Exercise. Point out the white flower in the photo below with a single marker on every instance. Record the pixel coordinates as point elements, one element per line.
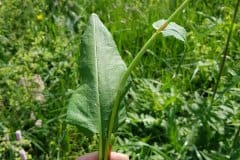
<point>36,85</point>
<point>38,123</point>
<point>24,82</point>
<point>32,116</point>
<point>23,154</point>
<point>39,97</point>
<point>18,135</point>
<point>37,92</point>
<point>38,80</point>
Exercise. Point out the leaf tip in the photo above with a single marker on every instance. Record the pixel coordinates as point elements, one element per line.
<point>94,15</point>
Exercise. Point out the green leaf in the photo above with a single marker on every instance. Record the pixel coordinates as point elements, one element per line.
<point>101,69</point>
<point>172,29</point>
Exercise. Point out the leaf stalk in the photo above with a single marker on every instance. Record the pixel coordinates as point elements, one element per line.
<point>125,77</point>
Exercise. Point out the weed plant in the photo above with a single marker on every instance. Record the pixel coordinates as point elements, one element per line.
<point>170,110</point>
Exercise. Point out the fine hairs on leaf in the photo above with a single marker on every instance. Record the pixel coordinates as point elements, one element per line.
<point>95,107</point>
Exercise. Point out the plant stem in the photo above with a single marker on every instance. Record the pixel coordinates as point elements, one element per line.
<point>237,135</point>
<point>235,140</point>
<point>125,77</point>
<point>225,51</point>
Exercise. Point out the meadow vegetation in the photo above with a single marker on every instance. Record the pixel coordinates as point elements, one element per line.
<point>171,111</point>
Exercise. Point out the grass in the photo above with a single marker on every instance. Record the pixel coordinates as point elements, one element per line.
<point>170,114</point>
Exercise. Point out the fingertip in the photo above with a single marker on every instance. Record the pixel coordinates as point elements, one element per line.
<point>118,156</point>
<point>94,156</point>
<point>90,156</point>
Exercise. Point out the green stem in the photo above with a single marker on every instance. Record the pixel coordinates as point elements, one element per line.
<point>125,77</point>
<point>225,51</point>
<point>237,135</point>
<point>235,140</point>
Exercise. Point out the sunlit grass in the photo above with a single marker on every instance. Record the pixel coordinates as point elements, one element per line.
<point>170,114</point>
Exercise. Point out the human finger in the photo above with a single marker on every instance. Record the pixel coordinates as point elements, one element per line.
<point>89,156</point>
<point>118,156</point>
<point>113,156</point>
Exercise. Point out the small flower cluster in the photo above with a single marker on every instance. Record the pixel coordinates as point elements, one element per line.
<point>36,85</point>
<point>38,123</point>
<point>15,147</point>
<point>22,152</point>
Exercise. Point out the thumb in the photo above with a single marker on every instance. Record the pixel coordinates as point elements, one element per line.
<point>118,156</point>
<point>113,156</point>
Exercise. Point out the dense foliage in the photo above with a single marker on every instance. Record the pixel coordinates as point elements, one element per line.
<point>171,114</point>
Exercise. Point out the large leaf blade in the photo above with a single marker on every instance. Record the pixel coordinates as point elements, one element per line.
<point>79,112</point>
<point>101,69</point>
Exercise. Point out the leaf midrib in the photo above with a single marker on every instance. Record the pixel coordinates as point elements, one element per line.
<point>98,105</point>
<point>96,65</point>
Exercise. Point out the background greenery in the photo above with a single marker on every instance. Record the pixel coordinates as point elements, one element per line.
<point>170,110</point>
